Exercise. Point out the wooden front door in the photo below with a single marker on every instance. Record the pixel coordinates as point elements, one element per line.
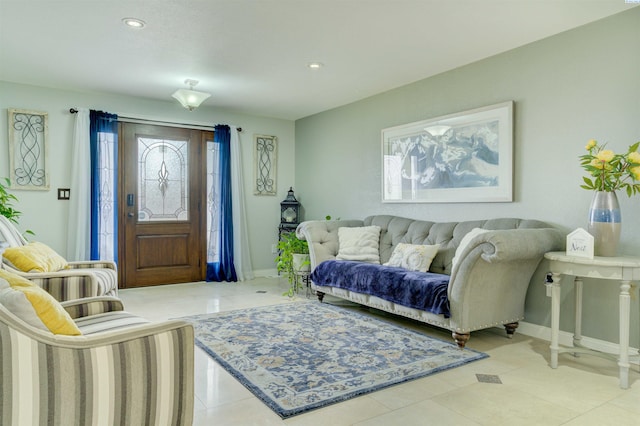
<point>161,211</point>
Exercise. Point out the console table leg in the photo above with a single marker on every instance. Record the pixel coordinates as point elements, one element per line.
<point>577,334</point>
<point>555,319</point>
<point>623,362</point>
<point>320,295</point>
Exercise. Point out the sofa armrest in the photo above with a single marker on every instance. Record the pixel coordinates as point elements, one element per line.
<point>70,284</point>
<point>79,308</point>
<point>496,269</point>
<point>67,284</point>
<point>90,264</point>
<point>514,244</point>
<point>322,236</point>
<point>141,375</point>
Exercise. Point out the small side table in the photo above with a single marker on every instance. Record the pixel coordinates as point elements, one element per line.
<point>623,269</point>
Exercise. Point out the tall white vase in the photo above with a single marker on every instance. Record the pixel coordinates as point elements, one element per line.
<point>605,222</point>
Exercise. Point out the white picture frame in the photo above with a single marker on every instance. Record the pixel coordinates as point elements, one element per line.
<point>28,149</point>
<point>457,158</point>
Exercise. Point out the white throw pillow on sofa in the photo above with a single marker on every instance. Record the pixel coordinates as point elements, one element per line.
<point>465,242</point>
<point>360,243</point>
<point>413,257</point>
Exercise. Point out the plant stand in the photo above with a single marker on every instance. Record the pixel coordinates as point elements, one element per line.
<point>302,279</point>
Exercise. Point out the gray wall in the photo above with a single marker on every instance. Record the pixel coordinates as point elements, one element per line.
<point>47,216</point>
<point>567,89</point>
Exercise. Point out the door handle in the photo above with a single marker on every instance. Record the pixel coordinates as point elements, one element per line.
<point>130,214</point>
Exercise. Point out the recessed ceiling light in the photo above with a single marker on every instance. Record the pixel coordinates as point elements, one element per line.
<point>133,22</point>
<point>315,65</point>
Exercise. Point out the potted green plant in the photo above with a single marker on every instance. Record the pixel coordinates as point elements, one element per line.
<point>6,204</point>
<point>292,259</point>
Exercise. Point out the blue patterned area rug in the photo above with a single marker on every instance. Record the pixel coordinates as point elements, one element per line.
<point>302,356</point>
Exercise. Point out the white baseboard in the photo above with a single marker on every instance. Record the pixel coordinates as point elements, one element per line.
<point>566,338</point>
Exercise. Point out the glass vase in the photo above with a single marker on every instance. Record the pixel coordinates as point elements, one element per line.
<point>605,222</point>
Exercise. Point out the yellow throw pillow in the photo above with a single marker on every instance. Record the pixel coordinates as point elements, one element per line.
<point>35,257</point>
<point>34,305</point>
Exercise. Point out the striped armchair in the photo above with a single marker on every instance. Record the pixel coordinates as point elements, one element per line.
<point>82,279</point>
<point>123,370</point>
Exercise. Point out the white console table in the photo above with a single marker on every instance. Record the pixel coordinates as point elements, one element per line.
<point>623,269</point>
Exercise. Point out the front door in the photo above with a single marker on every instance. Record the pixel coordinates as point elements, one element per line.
<point>161,226</point>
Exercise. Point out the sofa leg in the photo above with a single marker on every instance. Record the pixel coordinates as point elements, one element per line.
<point>511,328</point>
<point>320,295</point>
<point>461,339</point>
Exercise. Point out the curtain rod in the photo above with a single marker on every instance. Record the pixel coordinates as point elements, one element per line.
<point>147,121</point>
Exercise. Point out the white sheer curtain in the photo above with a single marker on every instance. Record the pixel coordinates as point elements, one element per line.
<point>213,207</point>
<point>241,254</point>
<point>79,217</point>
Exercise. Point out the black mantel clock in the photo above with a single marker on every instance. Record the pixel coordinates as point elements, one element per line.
<point>289,213</point>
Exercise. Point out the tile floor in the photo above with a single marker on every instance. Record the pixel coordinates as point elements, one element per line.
<point>582,391</point>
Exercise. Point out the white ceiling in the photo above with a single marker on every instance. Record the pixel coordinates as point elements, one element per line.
<point>252,55</point>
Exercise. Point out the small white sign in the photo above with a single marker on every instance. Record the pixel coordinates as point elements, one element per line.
<point>580,244</point>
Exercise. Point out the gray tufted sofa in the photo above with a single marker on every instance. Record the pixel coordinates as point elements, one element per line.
<point>489,283</point>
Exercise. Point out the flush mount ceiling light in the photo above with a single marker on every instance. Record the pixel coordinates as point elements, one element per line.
<point>315,65</point>
<point>134,22</point>
<point>189,98</point>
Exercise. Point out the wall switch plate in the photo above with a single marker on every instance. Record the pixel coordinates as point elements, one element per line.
<point>274,249</point>
<point>64,193</point>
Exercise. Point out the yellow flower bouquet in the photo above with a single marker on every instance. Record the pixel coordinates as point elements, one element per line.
<point>609,171</point>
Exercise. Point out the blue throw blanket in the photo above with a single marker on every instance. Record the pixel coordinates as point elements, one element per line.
<point>420,290</point>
